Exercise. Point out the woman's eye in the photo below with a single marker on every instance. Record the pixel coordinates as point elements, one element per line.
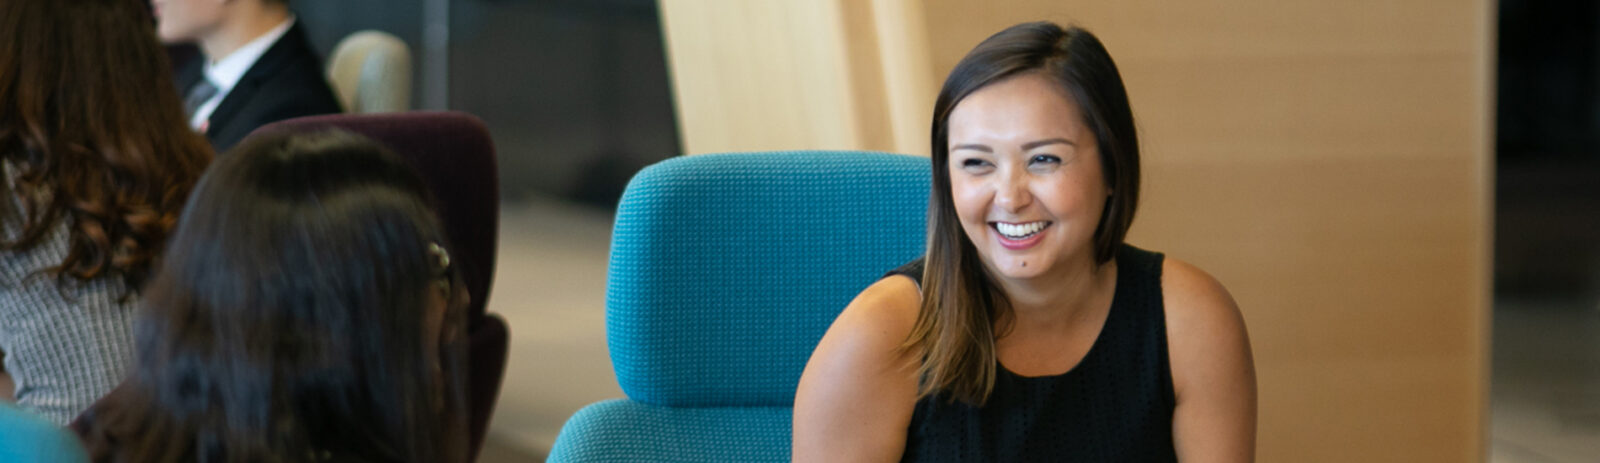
<point>974,163</point>
<point>1044,159</point>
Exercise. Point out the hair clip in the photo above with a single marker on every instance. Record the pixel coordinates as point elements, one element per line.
<point>440,256</point>
<point>441,260</point>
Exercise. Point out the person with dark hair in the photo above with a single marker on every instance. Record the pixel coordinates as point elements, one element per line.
<point>306,311</point>
<point>256,66</point>
<point>1030,331</point>
<point>96,162</point>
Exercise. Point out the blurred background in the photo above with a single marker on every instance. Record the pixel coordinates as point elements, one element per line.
<point>1546,377</point>
<point>1404,196</point>
<point>575,92</point>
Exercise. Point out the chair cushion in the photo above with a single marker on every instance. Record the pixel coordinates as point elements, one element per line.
<point>726,269</point>
<point>629,431</point>
<point>26,438</point>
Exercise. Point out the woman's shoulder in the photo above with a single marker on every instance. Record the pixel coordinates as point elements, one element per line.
<point>1198,307</point>
<point>869,332</point>
<point>912,270</point>
<point>887,308</point>
<point>1187,289</point>
<point>856,395</point>
<point>1206,333</point>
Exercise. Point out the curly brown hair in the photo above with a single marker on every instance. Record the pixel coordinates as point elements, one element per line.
<point>93,132</point>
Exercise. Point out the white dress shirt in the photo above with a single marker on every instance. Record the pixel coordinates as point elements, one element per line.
<point>226,72</point>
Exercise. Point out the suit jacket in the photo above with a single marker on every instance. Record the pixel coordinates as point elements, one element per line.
<point>286,82</point>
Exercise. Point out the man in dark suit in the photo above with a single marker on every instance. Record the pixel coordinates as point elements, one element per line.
<point>256,66</point>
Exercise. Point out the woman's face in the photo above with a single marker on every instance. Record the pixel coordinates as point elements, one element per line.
<point>1025,176</point>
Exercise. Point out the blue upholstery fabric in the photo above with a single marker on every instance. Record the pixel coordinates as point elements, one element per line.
<point>725,271</point>
<point>25,438</point>
<point>625,430</point>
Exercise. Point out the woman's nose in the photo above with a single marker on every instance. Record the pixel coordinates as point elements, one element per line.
<point>1011,192</point>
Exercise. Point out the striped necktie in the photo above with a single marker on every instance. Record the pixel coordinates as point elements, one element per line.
<point>202,92</point>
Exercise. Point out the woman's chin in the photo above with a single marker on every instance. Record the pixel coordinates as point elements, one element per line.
<point>1017,267</point>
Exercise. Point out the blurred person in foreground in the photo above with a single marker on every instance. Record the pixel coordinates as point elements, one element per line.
<point>1030,331</point>
<point>96,161</point>
<point>307,310</point>
<point>256,66</point>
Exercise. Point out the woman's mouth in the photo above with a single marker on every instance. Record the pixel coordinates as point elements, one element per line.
<point>1020,235</point>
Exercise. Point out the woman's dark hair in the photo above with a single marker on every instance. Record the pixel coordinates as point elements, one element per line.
<point>287,321</point>
<point>956,330</point>
<point>93,132</point>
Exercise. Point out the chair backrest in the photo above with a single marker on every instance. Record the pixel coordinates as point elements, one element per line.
<point>371,73</point>
<point>726,269</point>
<point>455,156</point>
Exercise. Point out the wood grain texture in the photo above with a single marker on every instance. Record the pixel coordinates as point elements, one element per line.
<point>760,75</point>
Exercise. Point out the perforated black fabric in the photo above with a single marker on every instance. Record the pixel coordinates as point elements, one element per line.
<point>1116,405</point>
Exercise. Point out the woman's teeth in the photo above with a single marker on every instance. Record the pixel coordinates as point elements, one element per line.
<point>1021,230</point>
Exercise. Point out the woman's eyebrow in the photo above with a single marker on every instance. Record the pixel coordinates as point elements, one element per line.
<point>1048,141</point>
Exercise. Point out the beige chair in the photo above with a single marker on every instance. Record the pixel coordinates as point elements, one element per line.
<point>371,73</point>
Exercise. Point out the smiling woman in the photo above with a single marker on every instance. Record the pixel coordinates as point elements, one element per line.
<point>1023,163</point>
<point>1030,330</point>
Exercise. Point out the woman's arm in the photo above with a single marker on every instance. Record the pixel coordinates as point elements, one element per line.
<point>1213,374</point>
<point>855,398</point>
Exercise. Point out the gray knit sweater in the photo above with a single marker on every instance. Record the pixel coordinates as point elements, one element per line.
<point>65,346</point>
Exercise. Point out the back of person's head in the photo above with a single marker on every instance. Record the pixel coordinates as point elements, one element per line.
<point>92,131</point>
<point>301,314</point>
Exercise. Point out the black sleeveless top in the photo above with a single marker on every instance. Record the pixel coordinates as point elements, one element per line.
<point>1115,405</point>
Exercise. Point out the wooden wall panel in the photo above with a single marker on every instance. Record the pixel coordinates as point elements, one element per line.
<point>760,75</point>
<point>910,82</point>
<point>826,74</point>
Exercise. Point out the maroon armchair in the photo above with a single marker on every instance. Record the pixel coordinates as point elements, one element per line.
<point>453,153</point>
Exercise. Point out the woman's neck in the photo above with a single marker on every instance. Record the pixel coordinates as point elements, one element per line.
<point>1065,292</point>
